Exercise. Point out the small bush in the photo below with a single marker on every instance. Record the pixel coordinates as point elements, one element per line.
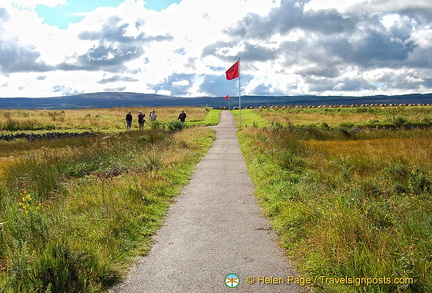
<point>398,175</point>
<point>290,162</point>
<point>157,125</point>
<point>275,126</point>
<point>324,126</point>
<point>62,269</point>
<point>152,136</point>
<point>150,163</point>
<point>418,182</point>
<point>175,125</point>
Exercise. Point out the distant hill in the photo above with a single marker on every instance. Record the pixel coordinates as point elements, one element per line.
<point>120,99</point>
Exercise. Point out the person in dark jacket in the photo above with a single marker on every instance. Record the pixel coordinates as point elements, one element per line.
<point>182,116</point>
<point>129,120</point>
<point>141,120</point>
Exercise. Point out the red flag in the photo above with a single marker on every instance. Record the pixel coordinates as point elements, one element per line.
<point>233,71</point>
<point>227,97</point>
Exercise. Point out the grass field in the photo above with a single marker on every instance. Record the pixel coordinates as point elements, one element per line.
<point>108,120</point>
<point>340,117</point>
<point>73,212</point>
<point>347,205</point>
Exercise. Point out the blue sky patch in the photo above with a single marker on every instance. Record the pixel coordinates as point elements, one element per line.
<point>159,5</point>
<point>73,12</point>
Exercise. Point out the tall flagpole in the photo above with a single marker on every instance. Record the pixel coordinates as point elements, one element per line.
<point>239,88</point>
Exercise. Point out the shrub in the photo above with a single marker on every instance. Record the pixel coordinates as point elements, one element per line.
<point>398,175</point>
<point>157,125</point>
<point>62,269</point>
<point>175,125</point>
<point>418,182</point>
<point>396,120</point>
<point>152,136</point>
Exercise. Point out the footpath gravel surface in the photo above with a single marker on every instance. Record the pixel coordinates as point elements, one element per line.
<point>214,228</point>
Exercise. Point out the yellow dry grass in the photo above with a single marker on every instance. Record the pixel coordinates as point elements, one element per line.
<point>418,151</point>
<point>107,119</point>
<point>185,141</point>
<point>338,116</point>
<point>315,118</point>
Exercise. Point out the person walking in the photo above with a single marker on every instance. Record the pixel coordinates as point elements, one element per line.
<point>182,116</point>
<point>129,120</point>
<point>141,120</point>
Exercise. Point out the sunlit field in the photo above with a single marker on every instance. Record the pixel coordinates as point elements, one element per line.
<point>348,191</point>
<point>90,119</point>
<point>347,204</point>
<point>106,121</point>
<point>75,211</point>
<point>346,117</point>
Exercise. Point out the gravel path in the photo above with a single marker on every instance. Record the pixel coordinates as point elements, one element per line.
<point>214,228</point>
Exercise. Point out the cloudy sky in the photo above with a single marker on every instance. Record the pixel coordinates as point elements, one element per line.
<point>183,47</point>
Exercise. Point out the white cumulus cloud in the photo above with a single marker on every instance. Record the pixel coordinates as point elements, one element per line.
<point>286,47</point>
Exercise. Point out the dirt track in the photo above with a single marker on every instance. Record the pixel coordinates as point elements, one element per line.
<point>214,228</point>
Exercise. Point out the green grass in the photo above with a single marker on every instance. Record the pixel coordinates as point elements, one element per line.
<point>212,117</point>
<point>356,205</point>
<point>249,118</point>
<point>73,213</point>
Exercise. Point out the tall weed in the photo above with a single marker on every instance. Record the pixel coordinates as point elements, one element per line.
<point>12,124</point>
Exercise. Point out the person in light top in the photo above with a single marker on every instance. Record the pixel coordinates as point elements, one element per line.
<point>152,115</point>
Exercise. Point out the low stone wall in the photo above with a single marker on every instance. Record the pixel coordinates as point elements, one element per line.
<point>48,135</point>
